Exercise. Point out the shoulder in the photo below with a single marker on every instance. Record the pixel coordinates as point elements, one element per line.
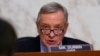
<point>27,40</point>
<point>68,40</point>
<point>27,44</point>
<point>23,39</point>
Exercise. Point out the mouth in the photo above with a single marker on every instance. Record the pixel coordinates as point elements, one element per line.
<point>51,42</point>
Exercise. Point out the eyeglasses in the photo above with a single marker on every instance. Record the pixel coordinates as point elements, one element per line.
<point>55,31</point>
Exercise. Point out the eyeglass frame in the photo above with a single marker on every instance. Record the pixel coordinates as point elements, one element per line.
<point>51,31</point>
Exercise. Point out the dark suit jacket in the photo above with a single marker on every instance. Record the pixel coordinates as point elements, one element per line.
<point>31,44</point>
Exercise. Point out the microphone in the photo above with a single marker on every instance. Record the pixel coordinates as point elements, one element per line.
<point>69,48</point>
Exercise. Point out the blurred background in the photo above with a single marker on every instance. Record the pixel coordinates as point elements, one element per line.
<point>84,17</point>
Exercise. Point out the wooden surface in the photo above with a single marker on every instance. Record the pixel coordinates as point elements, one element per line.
<point>79,53</point>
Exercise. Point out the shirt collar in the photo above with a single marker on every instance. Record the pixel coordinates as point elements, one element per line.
<point>44,48</point>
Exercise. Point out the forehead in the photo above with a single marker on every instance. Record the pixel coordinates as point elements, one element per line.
<point>52,18</point>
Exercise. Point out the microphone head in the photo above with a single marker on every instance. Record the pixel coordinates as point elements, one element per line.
<point>67,48</point>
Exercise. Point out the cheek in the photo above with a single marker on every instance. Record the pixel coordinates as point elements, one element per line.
<point>43,38</point>
<point>59,38</point>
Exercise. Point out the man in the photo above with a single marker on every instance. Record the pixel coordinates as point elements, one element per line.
<point>7,38</point>
<point>52,24</point>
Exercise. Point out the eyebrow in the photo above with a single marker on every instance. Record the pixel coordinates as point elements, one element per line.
<point>59,25</point>
<point>43,24</point>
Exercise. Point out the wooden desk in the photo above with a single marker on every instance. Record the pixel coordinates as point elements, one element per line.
<point>78,53</point>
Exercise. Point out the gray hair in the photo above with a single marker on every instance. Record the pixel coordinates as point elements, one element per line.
<point>51,8</point>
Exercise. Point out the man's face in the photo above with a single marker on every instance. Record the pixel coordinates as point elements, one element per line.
<point>52,28</point>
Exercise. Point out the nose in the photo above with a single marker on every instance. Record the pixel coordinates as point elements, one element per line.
<point>51,35</point>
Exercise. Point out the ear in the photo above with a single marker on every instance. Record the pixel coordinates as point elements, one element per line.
<point>66,27</point>
<point>38,29</point>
